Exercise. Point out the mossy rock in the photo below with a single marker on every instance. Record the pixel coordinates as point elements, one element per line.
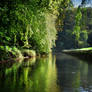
<point>8,53</point>
<point>29,53</point>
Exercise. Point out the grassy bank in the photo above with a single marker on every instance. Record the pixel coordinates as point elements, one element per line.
<point>78,50</point>
<point>83,53</point>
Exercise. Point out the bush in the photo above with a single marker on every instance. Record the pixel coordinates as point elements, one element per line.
<point>27,26</point>
<point>7,52</point>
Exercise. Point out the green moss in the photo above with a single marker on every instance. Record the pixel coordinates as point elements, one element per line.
<point>7,53</point>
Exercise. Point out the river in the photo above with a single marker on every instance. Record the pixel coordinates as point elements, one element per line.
<point>56,73</point>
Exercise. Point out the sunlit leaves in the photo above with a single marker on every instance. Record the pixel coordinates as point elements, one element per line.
<point>77,28</point>
<point>76,32</point>
<point>30,23</point>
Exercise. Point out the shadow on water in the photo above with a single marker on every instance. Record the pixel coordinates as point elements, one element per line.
<point>74,75</point>
<point>87,57</point>
<point>56,73</point>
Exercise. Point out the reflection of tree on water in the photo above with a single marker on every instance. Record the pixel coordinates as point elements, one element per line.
<point>8,77</point>
<point>84,73</point>
<point>61,74</point>
<point>74,75</point>
<point>68,73</point>
<point>86,77</point>
<point>45,76</point>
<point>90,77</point>
<point>30,77</point>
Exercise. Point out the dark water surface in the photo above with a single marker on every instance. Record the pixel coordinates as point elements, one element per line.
<point>57,73</point>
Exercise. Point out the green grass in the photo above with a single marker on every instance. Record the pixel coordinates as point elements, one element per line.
<point>89,48</point>
<point>78,50</point>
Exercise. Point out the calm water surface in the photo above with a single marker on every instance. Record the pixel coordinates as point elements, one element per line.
<point>57,73</point>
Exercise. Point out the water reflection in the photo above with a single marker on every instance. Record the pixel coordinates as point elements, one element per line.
<point>73,75</point>
<point>68,73</point>
<point>30,76</point>
<point>60,73</point>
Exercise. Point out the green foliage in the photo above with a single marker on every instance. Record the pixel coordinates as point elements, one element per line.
<point>29,24</point>
<point>76,32</point>
<point>84,35</point>
<point>77,29</point>
<point>7,52</point>
<point>78,17</point>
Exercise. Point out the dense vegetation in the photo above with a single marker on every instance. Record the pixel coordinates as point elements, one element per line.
<point>77,29</point>
<point>29,24</point>
<point>24,24</point>
<point>32,24</point>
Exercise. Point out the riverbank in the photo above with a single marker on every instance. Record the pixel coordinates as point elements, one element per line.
<point>15,54</point>
<point>83,53</point>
